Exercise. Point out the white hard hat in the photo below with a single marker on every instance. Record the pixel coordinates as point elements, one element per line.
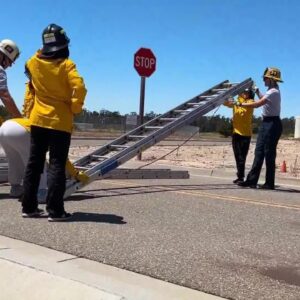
<point>10,49</point>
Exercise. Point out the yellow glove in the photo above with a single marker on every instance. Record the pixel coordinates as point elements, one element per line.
<point>78,175</point>
<point>82,177</point>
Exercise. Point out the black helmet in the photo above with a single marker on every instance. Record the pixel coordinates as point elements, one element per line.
<point>54,39</point>
<point>250,93</point>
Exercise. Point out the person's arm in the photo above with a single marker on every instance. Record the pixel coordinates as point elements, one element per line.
<point>28,100</point>
<point>76,174</point>
<point>9,103</point>
<point>77,84</point>
<point>229,103</point>
<point>262,101</point>
<point>258,93</point>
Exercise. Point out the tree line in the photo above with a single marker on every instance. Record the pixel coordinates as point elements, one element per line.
<point>217,123</point>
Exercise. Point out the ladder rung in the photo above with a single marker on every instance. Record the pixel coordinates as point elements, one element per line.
<point>231,83</point>
<point>118,146</point>
<point>207,96</point>
<point>153,127</point>
<point>81,168</point>
<point>180,111</point>
<point>167,119</point>
<point>194,104</point>
<point>137,136</point>
<point>99,156</point>
<point>220,90</point>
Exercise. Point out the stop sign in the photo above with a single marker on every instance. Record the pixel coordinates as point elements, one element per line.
<point>144,62</point>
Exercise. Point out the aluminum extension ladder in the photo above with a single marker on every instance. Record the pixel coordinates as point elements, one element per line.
<point>110,156</point>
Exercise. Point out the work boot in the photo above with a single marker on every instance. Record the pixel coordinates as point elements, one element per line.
<point>238,180</point>
<point>267,187</point>
<point>247,184</point>
<point>34,214</point>
<point>59,218</point>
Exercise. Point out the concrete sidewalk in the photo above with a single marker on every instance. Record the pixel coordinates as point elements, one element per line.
<point>28,271</point>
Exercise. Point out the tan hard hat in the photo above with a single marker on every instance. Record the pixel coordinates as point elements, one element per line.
<point>273,73</point>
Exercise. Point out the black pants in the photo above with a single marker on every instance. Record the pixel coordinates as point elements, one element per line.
<point>240,145</point>
<point>58,143</point>
<point>266,144</point>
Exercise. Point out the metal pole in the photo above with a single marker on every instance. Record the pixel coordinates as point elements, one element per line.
<point>142,102</point>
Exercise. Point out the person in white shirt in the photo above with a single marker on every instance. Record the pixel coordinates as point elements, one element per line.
<point>269,131</point>
<point>9,52</point>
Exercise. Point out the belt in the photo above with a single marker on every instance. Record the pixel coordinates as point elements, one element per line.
<point>271,118</point>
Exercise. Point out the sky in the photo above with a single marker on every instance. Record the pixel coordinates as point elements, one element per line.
<point>197,44</point>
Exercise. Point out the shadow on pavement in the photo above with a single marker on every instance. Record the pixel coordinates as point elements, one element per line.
<point>79,197</point>
<point>4,196</point>
<point>145,189</point>
<point>100,218</point>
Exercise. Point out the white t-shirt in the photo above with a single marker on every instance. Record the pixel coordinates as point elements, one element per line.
<point>273,105</point>
<point>3,79</point>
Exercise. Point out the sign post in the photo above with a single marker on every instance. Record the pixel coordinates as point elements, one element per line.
<point>145,65</point>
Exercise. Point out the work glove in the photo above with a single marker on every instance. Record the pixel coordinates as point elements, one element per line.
<point>254,88</point>
<point>82,177</point>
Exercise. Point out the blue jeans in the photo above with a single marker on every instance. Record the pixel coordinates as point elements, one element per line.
<point>266,144</point>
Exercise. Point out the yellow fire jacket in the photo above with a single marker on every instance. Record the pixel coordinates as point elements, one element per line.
<point>25,122</point>
<point>27,107</point>
<point>59,92</point>
<point>242,118</point>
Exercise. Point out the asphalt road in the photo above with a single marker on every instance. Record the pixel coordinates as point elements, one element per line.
<point>203,233</point>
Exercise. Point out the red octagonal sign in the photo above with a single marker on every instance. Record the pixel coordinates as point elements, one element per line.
<point>144,62</point>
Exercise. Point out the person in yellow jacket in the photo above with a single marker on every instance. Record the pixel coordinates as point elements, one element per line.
<point>15,139</point>
<point>242,131</point>
<point>59,93</point>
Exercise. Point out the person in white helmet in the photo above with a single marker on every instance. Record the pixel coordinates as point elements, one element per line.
<point>9,52</point>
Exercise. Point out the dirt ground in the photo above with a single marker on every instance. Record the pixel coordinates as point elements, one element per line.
<point>210,157</point>
<point>214,157</point>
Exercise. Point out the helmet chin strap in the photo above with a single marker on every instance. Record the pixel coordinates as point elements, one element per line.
<point>3,61</point>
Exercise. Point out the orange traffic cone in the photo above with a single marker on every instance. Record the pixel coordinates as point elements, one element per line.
<point>283,167</point>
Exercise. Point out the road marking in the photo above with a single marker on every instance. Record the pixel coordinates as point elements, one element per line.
<point>238,199</point>
<point>230,180</point>
<point>214,196</point>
